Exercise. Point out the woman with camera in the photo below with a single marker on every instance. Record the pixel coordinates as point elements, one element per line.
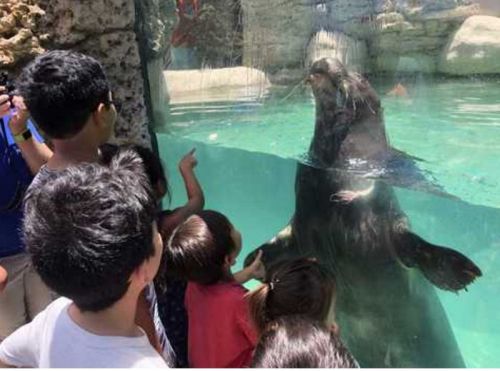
<point>22,292</point>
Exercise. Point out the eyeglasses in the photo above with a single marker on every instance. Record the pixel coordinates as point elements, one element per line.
<point>118,106</point>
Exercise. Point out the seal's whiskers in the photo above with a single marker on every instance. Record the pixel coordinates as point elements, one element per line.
<point>294,89</point>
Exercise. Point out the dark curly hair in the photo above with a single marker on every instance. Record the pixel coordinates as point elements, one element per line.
<point>90,227</point>
<point>61,89</point>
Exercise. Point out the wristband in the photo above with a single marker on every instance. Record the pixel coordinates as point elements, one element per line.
<point>23,136</point>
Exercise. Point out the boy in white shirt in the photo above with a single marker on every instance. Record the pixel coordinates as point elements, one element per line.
<point>93,239</point>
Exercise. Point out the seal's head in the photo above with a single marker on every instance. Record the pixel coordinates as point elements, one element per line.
<point>334,86</point>
<point>326,76</point>
<point>344,100</point>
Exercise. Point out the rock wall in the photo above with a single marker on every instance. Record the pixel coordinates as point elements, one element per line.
<point>410,35</point>
<point>153,26</point>
<point>351,52</point>
<point>20,40</point>
<point>474,48</point>
<point>276,33</point>
<point>105,29</point>
<point>400,35</point>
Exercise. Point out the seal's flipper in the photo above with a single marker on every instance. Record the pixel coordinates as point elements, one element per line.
<point>446,268</point>
<point>278,248</point>
<point>403,170</point>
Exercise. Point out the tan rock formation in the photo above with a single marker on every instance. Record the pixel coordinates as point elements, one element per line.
<point>18,42</point>
<point>410,39</point>
<point>275,33</point>
<point>474,48</point>
<point>105,29</point>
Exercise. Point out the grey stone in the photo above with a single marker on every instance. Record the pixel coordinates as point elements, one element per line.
<point>474,48</point>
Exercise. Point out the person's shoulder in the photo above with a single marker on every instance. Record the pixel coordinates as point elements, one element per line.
<point>41,177</point>
<point>59,304</point>
<point>233,292</point>
<point>54,309</point>
<point>147,357</point>
<point>146,363</point>
<point>227,291</point>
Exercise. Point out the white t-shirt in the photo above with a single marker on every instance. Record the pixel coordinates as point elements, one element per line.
<point>53,340</point>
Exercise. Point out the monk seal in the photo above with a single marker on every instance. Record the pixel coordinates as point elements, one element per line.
<point>387,308</point>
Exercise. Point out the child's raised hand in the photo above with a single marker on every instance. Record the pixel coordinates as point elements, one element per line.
<point>189,161</point>
<point>257,269</point>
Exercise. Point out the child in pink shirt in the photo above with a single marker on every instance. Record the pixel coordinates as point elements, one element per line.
<point>202,250</point>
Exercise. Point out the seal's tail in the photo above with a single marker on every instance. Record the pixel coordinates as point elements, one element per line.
<point>446,268</point>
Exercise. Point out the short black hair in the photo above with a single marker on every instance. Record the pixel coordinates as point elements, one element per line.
<point>297,342</point>
<point>61,89</point>
<point>90,228</point>
<point>196,249</point>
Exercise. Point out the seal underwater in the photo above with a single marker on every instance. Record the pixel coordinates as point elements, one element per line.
<point>389,313</point>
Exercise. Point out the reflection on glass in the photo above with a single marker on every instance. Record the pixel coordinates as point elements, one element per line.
<point>236,89</point>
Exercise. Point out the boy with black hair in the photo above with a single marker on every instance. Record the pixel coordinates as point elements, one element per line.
<point>69,98</point>
<point>93,238</point>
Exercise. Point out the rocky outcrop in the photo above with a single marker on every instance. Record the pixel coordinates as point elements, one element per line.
<point>184,81</point>
<point>218,42</point>
<point>400,35</point>
<point>474,48</point>
<point>276,33</point>
<point>351,52</point>
<point>153,25</point>
<point>353,18</point>
<point>409,35</point>
<point>19,37</point>
<point>105,29</point>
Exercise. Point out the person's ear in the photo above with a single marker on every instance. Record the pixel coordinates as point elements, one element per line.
<point>228,261</point>
<point>101,114</point>
<point>140,277</point>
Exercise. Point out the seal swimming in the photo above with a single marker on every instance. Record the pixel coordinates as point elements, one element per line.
<point>389,313</point>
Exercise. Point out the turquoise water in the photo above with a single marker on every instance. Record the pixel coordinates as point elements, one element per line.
<point>247,153</point>
<point>453,125</point>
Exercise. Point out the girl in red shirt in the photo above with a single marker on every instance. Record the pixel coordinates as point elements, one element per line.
<point>203,249</point>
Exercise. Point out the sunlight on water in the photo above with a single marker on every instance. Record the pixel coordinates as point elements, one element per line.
<point>453,125</point>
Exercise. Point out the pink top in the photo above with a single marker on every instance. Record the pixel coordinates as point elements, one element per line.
<point>220,333</point>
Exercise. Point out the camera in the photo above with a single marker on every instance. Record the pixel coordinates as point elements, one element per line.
<point>8,85</point>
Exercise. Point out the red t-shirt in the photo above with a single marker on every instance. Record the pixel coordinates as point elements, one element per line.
<point>220,334</point>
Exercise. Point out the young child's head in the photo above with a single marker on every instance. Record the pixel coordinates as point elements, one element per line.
<point>203,248</point>
<point>295,287</point>
<point>152,164</point>
<point>297,342</point>
<point>92,233</point>
<point>65,92</point>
